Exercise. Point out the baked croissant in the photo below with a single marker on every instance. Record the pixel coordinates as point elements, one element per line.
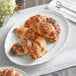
<point>26,33</point>
<point>55,25</point>
<point>10,72</point>
<point>57,28</point>
<point>38,48</point>
<point>45,30</point>
<point>21,48</point>
<point>35,19</point>
<point>0,73</point>
<point>39,20</point>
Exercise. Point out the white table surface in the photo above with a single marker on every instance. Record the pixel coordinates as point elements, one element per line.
<point>4,61</point>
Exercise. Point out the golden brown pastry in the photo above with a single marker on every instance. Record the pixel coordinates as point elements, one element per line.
<point>10,72</point>
<point>57,28</point>
<point>35,19</point>
<point>55,24</point>
<point>18,74</point>
<point>4,72</point>
<point>0,73</point>
<point>21,48</point>
<point>26,33</point>
<point>34,22</point>
<point>45,30</point>
<point>38,48</point>
<point>33,35</point>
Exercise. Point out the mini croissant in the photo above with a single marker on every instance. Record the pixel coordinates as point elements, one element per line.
<point>45,30</point>
<point>22,47</point>
<point>0,73</point>
<point>40,24</point>
<point>9,72</point>
<point>57,28</point>
<point>26,33</point>
<point>55,25</point>
<point>38,48</point>
<point>35,19</point>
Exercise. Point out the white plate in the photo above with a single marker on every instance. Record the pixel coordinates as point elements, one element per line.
<point>52,48</point>
<point>18,70</point>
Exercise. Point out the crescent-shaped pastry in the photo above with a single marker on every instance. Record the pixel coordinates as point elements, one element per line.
<point>38,48</point>
<point>9,72</point>
<point>35,19</point>
<point>42,25</point>
<point>26,33</point>
<point>22,47</point>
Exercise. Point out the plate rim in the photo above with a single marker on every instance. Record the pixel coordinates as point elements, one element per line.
<point>66,40</point>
